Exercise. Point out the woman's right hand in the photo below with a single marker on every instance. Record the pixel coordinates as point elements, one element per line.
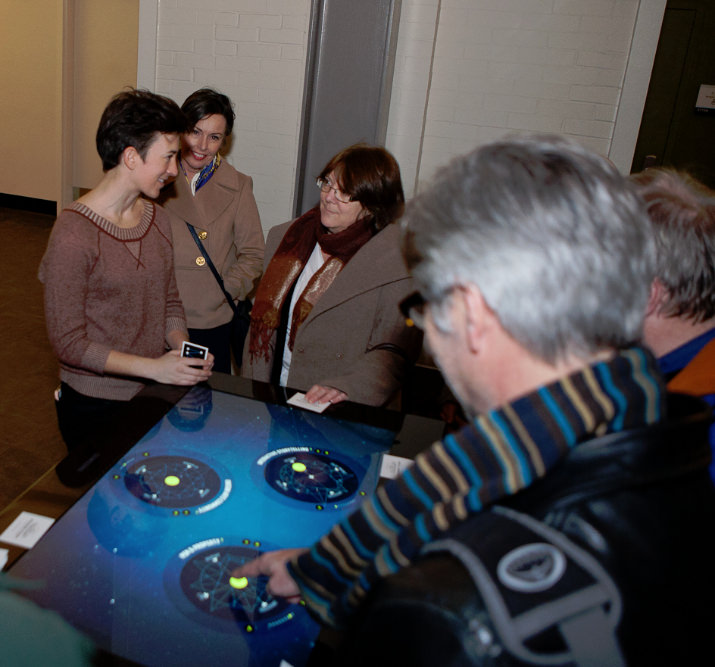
<point>172,368</point>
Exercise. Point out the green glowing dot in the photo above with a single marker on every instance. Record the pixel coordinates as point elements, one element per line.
<point>256,544</point>
<point>186,512</point>
<point>299,467</point>
<point>175,512</point>
<point>302,602</point>
<point>290,615</point>
<point>171,480</point>
<point>145,454</point>
<point>246,541</point>
<point>238,582</point>
<point>249,628</point>
<point>362,493</point>
<point>319,507</point>
<point>115,477</point>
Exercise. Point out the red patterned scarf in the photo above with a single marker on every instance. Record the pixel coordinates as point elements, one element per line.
<point>288,263</point>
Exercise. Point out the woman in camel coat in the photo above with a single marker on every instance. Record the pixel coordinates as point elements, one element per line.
<point>217,200</point>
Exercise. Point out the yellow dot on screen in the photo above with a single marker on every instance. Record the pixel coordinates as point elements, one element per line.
<point>238,582</point>
<point>171,480</point>
<point>299,467</point>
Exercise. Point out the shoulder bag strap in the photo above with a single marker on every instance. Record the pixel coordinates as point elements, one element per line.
<point>215,272</point>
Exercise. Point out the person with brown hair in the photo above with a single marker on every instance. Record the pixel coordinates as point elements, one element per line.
<point>217,201</point>
<point>325,318</point>
<point>112,308</point>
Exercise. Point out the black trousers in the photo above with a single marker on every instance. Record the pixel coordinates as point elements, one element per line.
<point>218,340</point>
<point>83,419</point>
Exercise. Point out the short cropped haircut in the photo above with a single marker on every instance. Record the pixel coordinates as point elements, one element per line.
<point>552,235</point>
<point>371,176</point>
<point>682,211</point>
<point>207,102</point>
<point>134,118</point>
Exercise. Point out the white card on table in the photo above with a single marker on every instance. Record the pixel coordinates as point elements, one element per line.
<point>299,400</point>
<point>393,466</point>
<point>26,529</point>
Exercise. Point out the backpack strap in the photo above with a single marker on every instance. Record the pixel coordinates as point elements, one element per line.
<point>532,578</point>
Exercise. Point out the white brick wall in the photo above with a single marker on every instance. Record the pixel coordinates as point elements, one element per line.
<point>505,66</point>
<point>466,72</point>
<point>254,52</point>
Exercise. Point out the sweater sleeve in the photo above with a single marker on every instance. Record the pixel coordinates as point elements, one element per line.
<point>175,315</point>
<point>497,455</point>
<point>64,271</point>
<point>451,480</point>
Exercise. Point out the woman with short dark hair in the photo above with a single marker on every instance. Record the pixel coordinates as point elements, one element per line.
<point>111,304</point>
<point>326,318</point>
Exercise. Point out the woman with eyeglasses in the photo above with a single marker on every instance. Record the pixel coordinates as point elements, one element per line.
<point>325,318</point>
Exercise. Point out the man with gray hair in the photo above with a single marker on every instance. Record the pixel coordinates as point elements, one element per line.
<point>680,320</point>
<point>532,258</point>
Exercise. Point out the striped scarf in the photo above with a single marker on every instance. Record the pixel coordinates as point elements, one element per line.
<point>497,455</point>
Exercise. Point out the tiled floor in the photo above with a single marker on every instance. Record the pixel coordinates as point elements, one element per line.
<point>29,440</point>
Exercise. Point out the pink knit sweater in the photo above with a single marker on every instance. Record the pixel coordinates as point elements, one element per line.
<point>108,288</point>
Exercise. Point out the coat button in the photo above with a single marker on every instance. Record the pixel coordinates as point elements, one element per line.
<point>301,350</point>
<point>200,261</point>
<point>339,355</point>
<point>203,235</point>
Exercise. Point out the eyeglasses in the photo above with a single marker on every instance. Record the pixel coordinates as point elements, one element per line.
<point>325,186</point>
<point>414,306</point>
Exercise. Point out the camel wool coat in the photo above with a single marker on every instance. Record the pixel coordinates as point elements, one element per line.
<point>354,339</point>
<point>225,211</point>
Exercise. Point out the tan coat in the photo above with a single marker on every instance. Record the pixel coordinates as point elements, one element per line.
<point>355,338</point>
<point>225,209</point>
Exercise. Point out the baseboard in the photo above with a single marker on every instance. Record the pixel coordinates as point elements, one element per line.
<point>28,204</point>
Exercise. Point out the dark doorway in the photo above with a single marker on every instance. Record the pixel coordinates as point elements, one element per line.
<point>673,132</point>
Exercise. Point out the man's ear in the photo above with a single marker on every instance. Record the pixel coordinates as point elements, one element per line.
<point>657,299</point>
<point>478,317</point>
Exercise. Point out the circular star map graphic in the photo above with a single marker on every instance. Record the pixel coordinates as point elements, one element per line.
<point>171,481</point>
<point>311,477</point>
<point>202,575</point>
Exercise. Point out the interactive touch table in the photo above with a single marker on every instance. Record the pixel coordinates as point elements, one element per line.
<point>142,562</point>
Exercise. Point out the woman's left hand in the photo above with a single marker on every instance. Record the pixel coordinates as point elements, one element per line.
<point>320,394</point>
